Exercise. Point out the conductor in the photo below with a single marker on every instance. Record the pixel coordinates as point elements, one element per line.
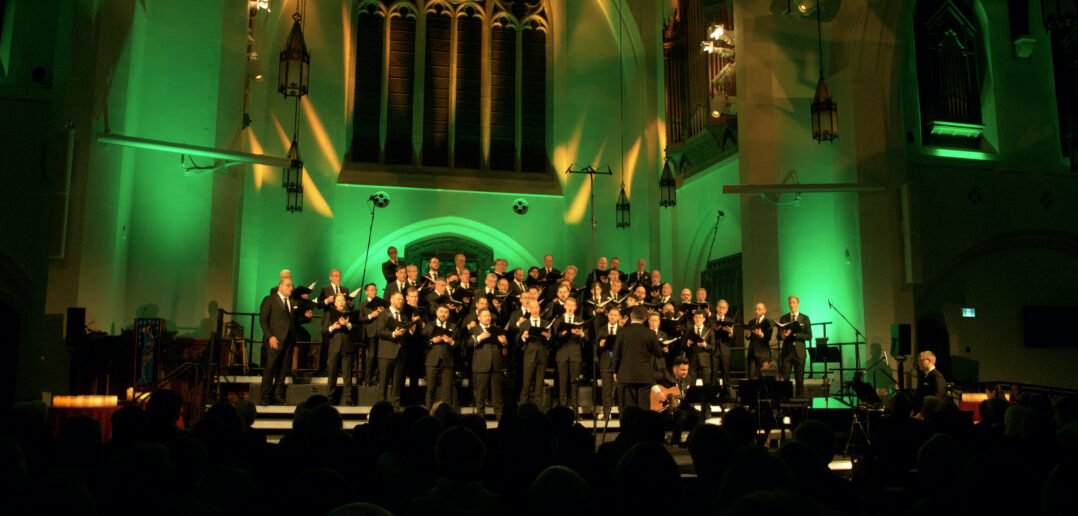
<point>634,359</point>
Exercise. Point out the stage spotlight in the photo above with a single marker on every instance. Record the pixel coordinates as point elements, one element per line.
<point>380,199</point>
<point>520,206</point>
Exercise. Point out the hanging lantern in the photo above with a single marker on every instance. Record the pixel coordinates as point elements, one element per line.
<point>1058,14</point>
<point>667,186</point>
<point>824,113</point>
<point>294,69</point>
<point>824,108</point>
<point>293,179</point>
<point>622,209</point>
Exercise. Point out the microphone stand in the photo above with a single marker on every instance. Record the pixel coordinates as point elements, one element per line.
<point>857,334</point>
<point>366,254</point>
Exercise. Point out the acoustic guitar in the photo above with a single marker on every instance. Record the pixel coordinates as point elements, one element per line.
<point>665,399</point>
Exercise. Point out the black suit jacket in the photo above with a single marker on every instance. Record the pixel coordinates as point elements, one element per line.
<point>634,354</point>
<point>390,347</point>
<point>389,270</point>
<point>759,346</point>
<point>699,347</point>
<point>487,355</point>
<point>327,291</point>
<point>568,347</point>
<point>392,288</point>
<point>439,353</point>
<point>609,342</point>
<point>723,340</point>
<point>276,321</point>
<point>639,277</point>
<point>795,343</point>
<point>932,384</point>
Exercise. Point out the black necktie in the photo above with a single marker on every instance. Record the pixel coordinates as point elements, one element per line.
<point>397,315</point>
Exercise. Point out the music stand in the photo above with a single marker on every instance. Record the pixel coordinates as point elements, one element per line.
<point>767,391</point>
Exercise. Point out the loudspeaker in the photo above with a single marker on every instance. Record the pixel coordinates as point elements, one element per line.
<point>298,393</point>
<point>367,395</point>
<point>76,326</point>
<point>900,340</point>
<point>586,396</point>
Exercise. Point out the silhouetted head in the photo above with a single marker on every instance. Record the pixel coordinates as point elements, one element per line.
<point>740,424</point>
<point>459,455</point>
<point>646,470</point>
<point>559,491</point>
<point>710,448</point>
<point>819,437</point>
<point>939,461</point>
<point>752,470</point>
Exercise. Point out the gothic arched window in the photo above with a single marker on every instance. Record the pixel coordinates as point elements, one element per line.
<point>442,84</point>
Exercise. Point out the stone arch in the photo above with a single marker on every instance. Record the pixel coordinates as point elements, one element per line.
<point>501,244</point>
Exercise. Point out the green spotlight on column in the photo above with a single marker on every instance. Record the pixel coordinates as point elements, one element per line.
<point>667,186</point>
<point>293,179</point>
<point>622,209</point>
<point>293,73</point>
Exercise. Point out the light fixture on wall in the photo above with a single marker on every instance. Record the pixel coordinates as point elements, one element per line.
<point>293,72</point>
<point>824,108</point>
<point>667,185</point>
<point>622,209</point>
<point>1059,13</point>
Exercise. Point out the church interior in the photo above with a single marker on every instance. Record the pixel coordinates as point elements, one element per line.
<point>907,169</point>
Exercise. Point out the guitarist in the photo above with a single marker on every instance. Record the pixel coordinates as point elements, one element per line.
<point>671,385</point>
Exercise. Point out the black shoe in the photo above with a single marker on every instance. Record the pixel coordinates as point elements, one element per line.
<point>353,403</point>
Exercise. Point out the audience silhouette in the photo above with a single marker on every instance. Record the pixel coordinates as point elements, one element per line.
<point>415,462</point>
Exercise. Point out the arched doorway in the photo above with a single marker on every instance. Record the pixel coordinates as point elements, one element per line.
<point>478,257</point>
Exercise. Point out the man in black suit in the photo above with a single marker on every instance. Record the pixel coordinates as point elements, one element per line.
<point>606,335</point>
<point>535,342</point>
<point>433,270</point>
<point>758,333</point>
<point>699,346</point>
<point>932,383</point>
<point>324,301</point>
<point>398,284</point>
<point>389,268</point>
<point>459,266</point>
<point>392,336</point>
<point>641,276</point>
<point>634,360</point>
<point>278,318</point>
<point>614,264</point>
<point>724,338</point>
<point>325,297</point>
<point>548,273</point>
<point>516,285</point>
<point>598,274</point>
<point>440,337</point>
<point>568,354</point>
<point>368,319</point>
<point>500,268</point>
<point>682,417</point>
<point>792,352</point>
<point>487,363</point>
<point>340,350</point>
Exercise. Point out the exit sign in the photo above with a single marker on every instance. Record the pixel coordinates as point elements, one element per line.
<point>969,312</point>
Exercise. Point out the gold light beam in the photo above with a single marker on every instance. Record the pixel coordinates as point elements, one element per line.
<point>261,172</point>
<point>630,165</point>
<point>322,137</point>
<point>314,197</point>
